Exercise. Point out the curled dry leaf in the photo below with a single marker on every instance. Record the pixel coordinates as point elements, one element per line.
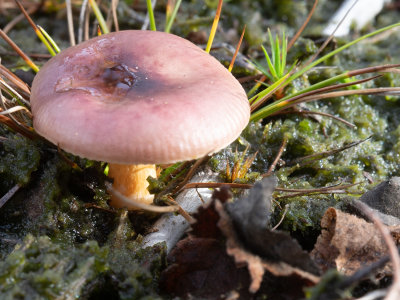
<point>348,243</point>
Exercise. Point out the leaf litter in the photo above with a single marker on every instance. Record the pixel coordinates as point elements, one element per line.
<point>232,250</point>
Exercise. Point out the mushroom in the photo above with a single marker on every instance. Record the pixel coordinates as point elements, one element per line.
<point>135,99</point>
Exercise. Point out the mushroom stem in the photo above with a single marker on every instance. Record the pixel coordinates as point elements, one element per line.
<point>131,181</point>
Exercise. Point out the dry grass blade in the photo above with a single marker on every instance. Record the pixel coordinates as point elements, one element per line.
<point>303,112</point>
<point>20,17</point>
<point>372,91</point>
<point>237,49</point>
<point>16,109</point>
<point>12,92</point>
<point>114,4</point>
<point>213,185</point>
<point>9,194</point>
<point>147,207</point>
<point>309,158</point>
<point>327,41</point>
<point>301,97</point>
<point>25,57</point>
<point>191,172</point>
<point>83,16</point>
<point>36,29</point>
<point>314,190</point>
<point>181,210</point>
<point>298,33</point>
<point>70,22</point>
<point>17,128</point>
<point>282,218</point>
<point>374,69</point>
<point>277,158</point>
<point>15,81</point>
<point>312,193</point>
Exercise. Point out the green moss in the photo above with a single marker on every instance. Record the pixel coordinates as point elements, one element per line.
<point>41,269</point>
<point>19,157</point>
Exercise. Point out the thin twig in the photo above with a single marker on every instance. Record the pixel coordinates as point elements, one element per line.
<point>311,193</point>
<point>283,217</point>
<point>20,17</point>
<point>9,194</point>
<point>372,91</point>
<point>15,80</point>
<point>299,98</point>
<point>278,156</point>
<point>321,189</point>
<point>325,154</point>
<point>327,41</point>
<point>28,61</point>
<point>139,205</point>
<point>191,172</point>
<point>212,185</point>
<point>183,213</point>
<point>303,112</point>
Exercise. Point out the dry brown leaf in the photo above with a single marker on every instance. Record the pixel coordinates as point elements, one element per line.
<point>347,243</point>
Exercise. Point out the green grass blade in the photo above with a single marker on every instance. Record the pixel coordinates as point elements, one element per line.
<point>99,16</point>
<point>255,99</point>
<point>172,17</point>
<point>271,41</point>
<point>277,55</point>
<point>151,15</point>
<point>279,105</point>
<point>262,69</point>
<point>49,38</point>
<point>270,65</point>
<point>336,51</point>
<point>319,85</point>
<point>284,53</point>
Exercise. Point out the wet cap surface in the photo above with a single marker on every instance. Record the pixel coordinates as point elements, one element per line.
<point>138,97</point>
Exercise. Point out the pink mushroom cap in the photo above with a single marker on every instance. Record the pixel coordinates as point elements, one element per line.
<point>138,97</point>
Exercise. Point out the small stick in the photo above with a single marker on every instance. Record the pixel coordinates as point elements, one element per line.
<point>302,112</point>
<point>278,156</point>
<point>208,185</point>
<point>9,194</point>
<point>147,207</point>
<point>283,217</point>
<point>190,174</point>
<point>19,18</point>
<point>181,210</point>
<point>28,61</point>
